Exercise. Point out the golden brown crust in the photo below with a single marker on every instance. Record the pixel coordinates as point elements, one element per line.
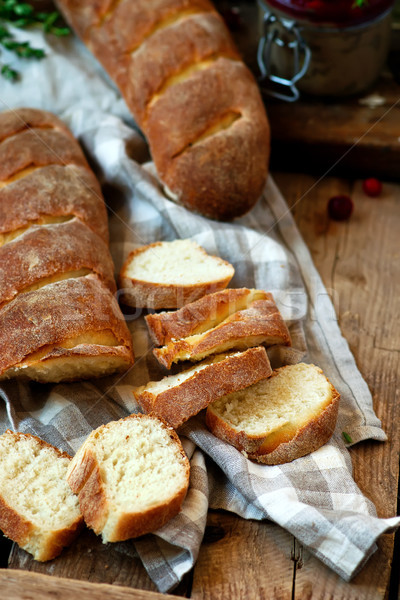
<point>176,405</point>
<point>50,252</point>
<point>55,313</point>
<point>92,494</point>
<point>38,148</point>
<point>286,444</point>
<point>23,119</point>
<point>85,480</point>
<point>198,316</point>
<point>144,45</point>
<point>217,168</point>
<point>54,191</point>
<point>145,294</point>
<point>261,323</point>
<point>203,37</point>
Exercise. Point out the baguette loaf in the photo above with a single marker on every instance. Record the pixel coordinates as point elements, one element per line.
<point>131,477</point>
<point>184,82</point>
<point>279,419</point>
<point>171,274</point>
<point>37,509</point>
<point>200,315</point>
<point>176,398</point>
<point>58,316</point>
<point>261,323</point>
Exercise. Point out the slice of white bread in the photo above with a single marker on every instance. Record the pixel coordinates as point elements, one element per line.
<point>131,477</point>
<point>199,316</point>
<point>260,323</point>
<point>171,274</point>
<point>279,419</point>
<point>37,508</point>
<point>176,398</point>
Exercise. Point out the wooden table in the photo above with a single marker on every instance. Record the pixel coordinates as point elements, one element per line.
<point>360,263</point>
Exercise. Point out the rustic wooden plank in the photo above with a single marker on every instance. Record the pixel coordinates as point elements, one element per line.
<point>359,263</point>
<point>89,560</point>
<point>345,136</point>
<point>21,585</point>
<point>243,560</point>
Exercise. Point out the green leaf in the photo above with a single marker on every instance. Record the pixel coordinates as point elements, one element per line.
<point>23,10</point>
<point>9,73</point>
<point>347,437</point>
<point>60,31</point>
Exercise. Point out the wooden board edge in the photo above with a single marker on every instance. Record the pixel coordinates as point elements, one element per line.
<point>23,585</point>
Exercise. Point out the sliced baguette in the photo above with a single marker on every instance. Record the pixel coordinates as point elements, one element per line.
<point>279,419</point>
<point>176,398</point>
<point>37,509</point>
<point>261,323</point>
<point>131,477</point>
<point>199,316</point>
<point>171,274</point>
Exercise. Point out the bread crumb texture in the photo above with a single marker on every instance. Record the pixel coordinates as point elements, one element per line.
<point>143,474</point>
<point>180,262</point>
<point>292,396</point>
<point>35,496</point>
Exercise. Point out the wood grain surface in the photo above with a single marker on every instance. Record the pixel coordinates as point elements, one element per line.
<point>359,263</point>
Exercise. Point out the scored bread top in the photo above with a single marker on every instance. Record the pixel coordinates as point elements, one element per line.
<point>176,398</point>
<point>276,420</point>
<point>34,258</point>
<point>58,313</point>
<point>200,315</point>
<point>170,274</point>
<point>26,119</point>
<point>260,323</point>
<point>58,320</point>
<point>131,477</point>
<point>37,508</point>
<point>53,192</point>
<point>197,103</point>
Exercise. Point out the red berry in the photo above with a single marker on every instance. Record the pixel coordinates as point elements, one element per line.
<point>372,187</point>
<point>340,208</point>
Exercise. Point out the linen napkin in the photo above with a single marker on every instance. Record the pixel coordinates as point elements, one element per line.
<point>315,497</point>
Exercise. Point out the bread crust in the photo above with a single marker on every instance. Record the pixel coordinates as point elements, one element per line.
<point>261,323</point>
<point>200,315</point>
<point>181,76</point>
<point>54,191</point>
<point>237,371</point>
<point>21,530</point>
<point>286,444</point>
<point>38,148</point>
<point>85,479</point>
<point>49,252</point>
<point>55,313</point>
<point>146,294</point>
<point>16,121</point>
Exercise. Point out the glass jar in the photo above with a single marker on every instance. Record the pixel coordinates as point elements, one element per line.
<point>322,47</point>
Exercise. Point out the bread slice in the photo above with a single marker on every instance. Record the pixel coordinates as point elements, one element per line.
<point>279,419</point>
<point>178,397</point>
<point>171,274</point>
<point>37,509</point>
<point>199,316</point>
<point>261,323</point>
<point>131,477</point>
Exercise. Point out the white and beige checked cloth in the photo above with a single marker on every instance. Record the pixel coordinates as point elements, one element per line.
<point>315,497</point>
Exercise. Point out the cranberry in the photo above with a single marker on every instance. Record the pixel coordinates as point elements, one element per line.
<point>372,187</point>
<point>340,208</point>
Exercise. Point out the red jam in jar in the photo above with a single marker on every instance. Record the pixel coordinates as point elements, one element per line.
<point>339,46</point>
<point>338,13</point>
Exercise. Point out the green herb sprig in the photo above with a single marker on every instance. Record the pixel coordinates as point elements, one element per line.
<point>23,15</point>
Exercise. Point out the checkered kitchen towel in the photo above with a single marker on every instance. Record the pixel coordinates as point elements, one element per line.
<point>315,497</point>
